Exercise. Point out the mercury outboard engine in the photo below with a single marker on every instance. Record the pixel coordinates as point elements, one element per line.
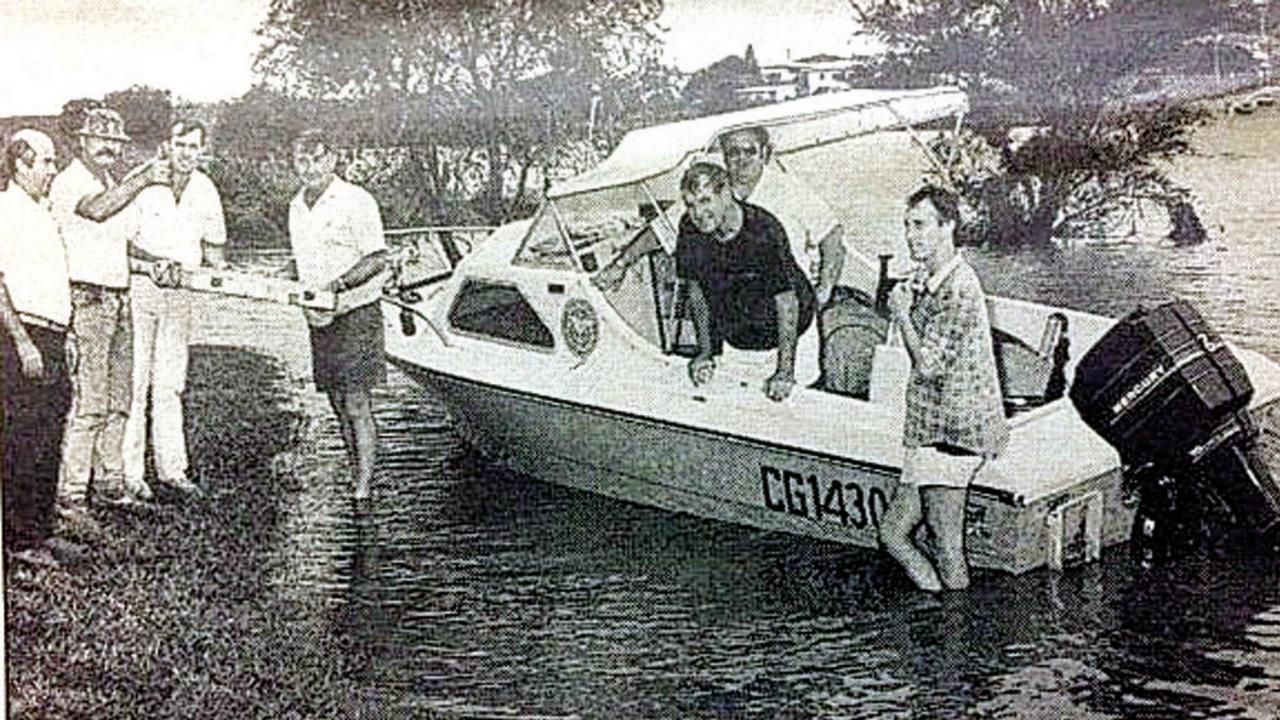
<point>1166,391</point>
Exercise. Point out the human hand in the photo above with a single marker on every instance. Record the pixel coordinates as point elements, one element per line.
<point>702,369</point>
<point>318,318</point>
<point>822,293</point>
<point>609,278</point>
<point>900,299</point>
<point>31,359</point>
<point>779,385</point>
<point>165,273</point>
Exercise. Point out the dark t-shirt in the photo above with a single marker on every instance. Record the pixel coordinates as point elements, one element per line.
<point>740,278</point>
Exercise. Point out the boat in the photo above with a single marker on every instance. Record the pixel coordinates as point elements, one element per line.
<point>557,379</point>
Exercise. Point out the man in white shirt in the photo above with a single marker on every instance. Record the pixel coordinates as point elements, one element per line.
<point>336,234</point>
<point>87,204</point>
<point>35,308</point>
<point>176,224</point>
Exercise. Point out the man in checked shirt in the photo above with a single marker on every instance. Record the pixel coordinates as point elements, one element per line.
<point>955,421</point>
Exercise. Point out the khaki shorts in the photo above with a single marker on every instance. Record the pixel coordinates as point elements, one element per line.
<point>930,467</point>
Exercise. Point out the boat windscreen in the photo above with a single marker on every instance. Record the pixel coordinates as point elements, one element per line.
<point>593,226</point>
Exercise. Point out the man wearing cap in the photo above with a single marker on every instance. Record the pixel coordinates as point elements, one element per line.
<point>177,224</point>
<point>335,231</point>
<point>87,203</point>
<point>35,308</point>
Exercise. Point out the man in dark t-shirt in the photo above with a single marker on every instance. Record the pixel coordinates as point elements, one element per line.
<point>745,289</point>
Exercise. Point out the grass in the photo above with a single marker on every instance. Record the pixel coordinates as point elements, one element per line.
<point>174,615</point>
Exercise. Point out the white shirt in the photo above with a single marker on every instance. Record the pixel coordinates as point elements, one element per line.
<point>803,214</point>
<point>333,235</point>
<point>97,253</point>
<point>176,229</point>
<point>33,260</point>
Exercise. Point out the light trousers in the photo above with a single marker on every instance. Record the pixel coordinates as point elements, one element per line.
<point>100,352</point>
<point>161,335</point>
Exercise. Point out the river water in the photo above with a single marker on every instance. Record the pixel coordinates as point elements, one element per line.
<point>478,593</point>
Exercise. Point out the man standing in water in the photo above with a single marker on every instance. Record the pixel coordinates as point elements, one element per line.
<point>179,224</point>
<point>87,203</point>
<point>955,421</point>
<point>336,234</point>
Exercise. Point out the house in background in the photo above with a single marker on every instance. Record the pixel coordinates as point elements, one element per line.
<point>808,76</point>
<point>761,94</point>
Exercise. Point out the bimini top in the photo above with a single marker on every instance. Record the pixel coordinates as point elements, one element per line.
<point>793,125</point>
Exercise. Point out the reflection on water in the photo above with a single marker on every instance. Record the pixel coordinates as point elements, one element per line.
<point>473,592</point>
<point>467,591</point>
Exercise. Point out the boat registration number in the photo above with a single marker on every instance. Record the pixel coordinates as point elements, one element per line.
<point>821,500</point>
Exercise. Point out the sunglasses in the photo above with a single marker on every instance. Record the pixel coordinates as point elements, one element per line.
<point>741,151</point>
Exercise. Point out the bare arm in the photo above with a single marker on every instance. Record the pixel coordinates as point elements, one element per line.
<point>788,306</point>
<point>831,253</point>
<point>362,272</point>
<point>28,353</point>
<point>115,198</point>
<point>702,365</point>
<point>700,312</point>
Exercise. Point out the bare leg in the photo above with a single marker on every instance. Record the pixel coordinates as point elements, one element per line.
<point>944,514</point>
<point>358,407</point>
<point>366,434</point>
<point>896,529</point>
<point>337,401</point>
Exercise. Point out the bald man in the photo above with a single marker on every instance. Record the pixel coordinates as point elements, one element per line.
<point>35,309</point>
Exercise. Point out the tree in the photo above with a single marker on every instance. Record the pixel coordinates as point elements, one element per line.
<point>714,88</point>
<point>1070,69</point>
<point>147,113</point>
<point>467,88</point>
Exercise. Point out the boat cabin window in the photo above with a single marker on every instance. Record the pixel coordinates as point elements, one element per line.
<point>500,312</point>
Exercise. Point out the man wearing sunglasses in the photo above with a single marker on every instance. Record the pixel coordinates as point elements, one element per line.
<point>812,229</point>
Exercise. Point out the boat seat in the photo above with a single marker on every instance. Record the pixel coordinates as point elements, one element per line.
<point>1031,377</point>
<point>851,329</point>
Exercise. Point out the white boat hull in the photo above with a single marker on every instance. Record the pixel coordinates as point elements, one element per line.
<point>757,483</point>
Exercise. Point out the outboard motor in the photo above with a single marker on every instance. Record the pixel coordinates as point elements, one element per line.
<point>1165,391</point>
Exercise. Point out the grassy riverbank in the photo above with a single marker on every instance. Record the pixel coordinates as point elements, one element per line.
<point>174,615</point>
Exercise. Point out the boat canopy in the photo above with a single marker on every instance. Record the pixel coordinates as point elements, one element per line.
<point>793,126</point>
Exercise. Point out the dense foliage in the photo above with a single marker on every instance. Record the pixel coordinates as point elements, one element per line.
<point>467,100</point>
<point>1073,73</point>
